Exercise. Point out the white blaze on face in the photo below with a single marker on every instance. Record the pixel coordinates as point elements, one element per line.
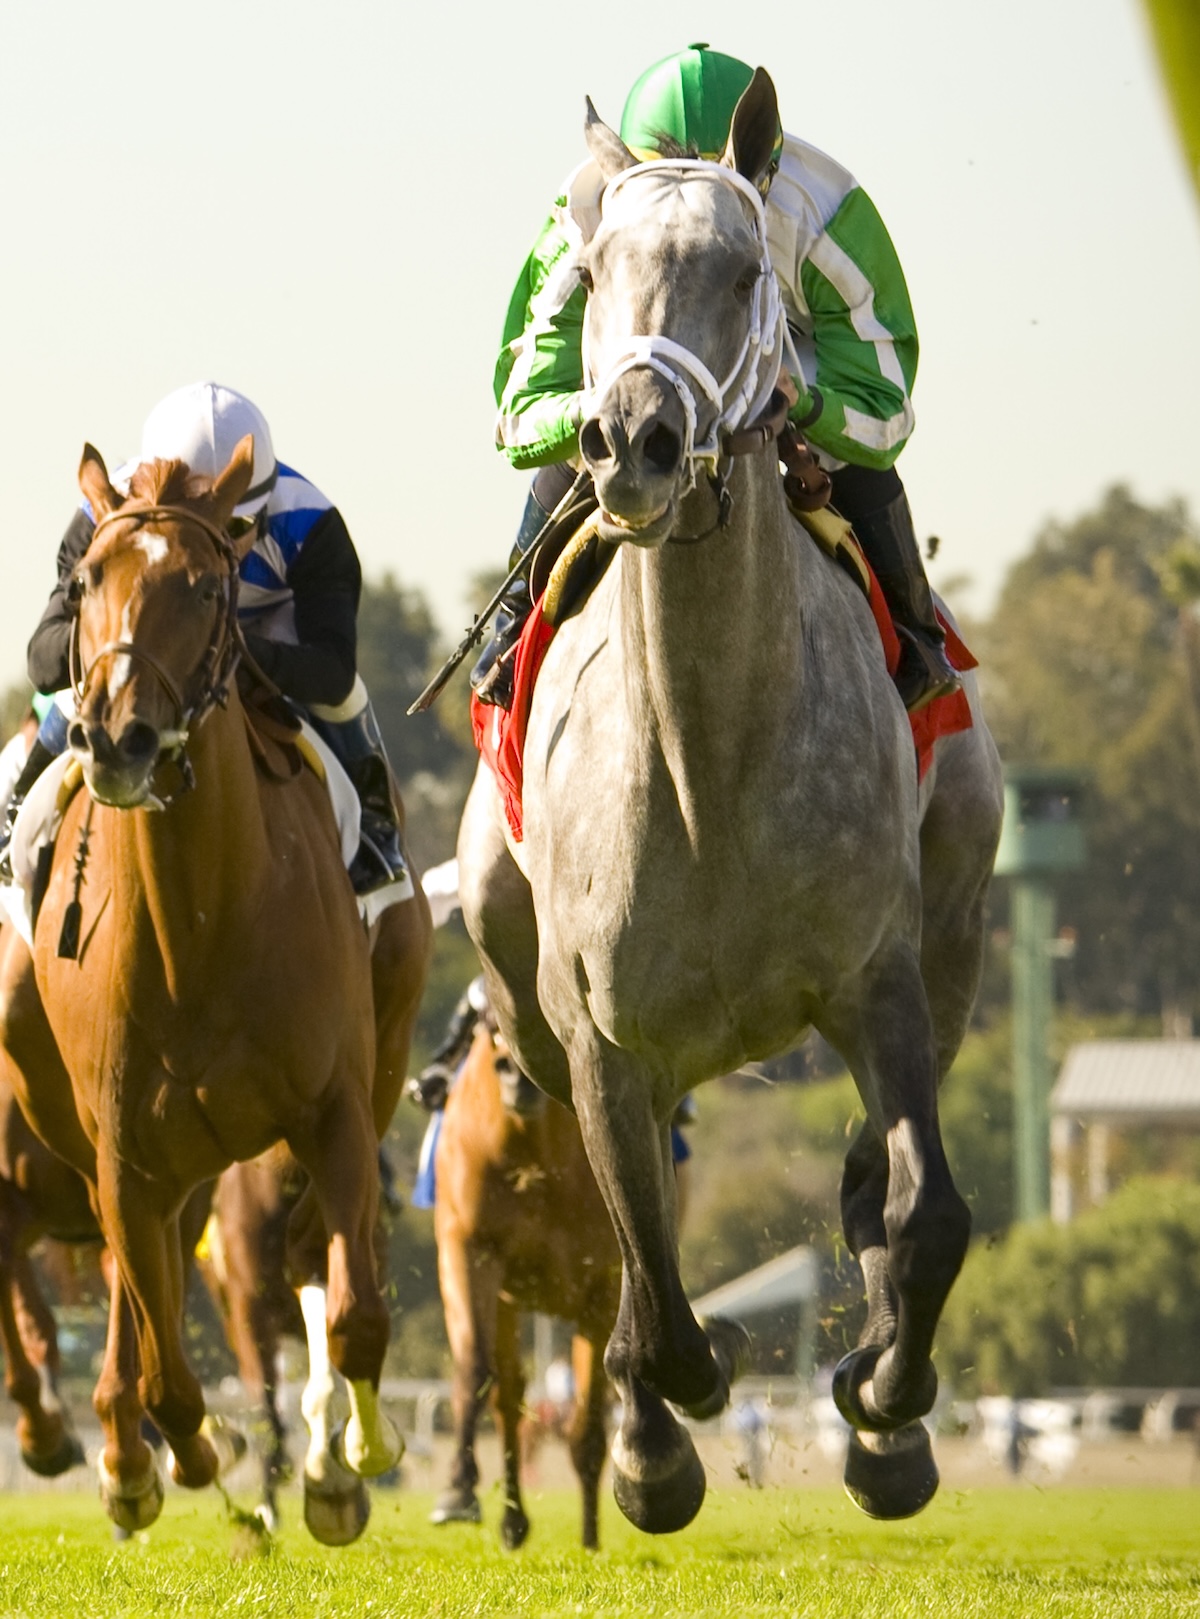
<point>154,546</point>
<point>122,667</point>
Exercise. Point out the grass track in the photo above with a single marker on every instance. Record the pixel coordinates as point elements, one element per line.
<point>1103,1554</point>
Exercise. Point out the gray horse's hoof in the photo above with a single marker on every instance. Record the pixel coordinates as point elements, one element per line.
<point>854,1393</point>
<point>68,1454</point>
<point>730,1345</point>
<point>891,1475</point>
<point>850,1376</point>
<point>457,1506</point>
<point>336,1509</point>
<point>514,1528</point>
<point>664,1500</point>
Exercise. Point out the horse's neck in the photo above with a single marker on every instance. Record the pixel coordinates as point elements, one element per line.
<point>714,632</point>
<point>207,854</point>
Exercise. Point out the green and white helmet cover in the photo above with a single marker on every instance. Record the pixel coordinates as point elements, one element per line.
<point>690,97</point>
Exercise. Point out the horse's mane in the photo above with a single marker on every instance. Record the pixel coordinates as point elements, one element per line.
<point>166,483</point>
<point>667,146</point>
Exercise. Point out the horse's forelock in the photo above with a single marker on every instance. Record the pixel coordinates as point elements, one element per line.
<point>166,483</point>
<point>667,146</point>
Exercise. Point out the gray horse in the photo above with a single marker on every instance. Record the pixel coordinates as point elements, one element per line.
<point>725,840</point>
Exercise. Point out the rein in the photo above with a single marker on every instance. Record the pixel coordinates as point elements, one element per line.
<point>224,649</point>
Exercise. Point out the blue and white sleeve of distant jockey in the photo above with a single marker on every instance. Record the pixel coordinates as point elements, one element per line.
<point>293,511</point>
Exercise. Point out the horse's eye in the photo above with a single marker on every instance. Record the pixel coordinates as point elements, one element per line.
<point>208,589</point>
<point>81,582</point>
<point>746,282</point>
<point>585,279</point>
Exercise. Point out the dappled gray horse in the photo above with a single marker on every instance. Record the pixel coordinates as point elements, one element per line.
<point>725,841</point>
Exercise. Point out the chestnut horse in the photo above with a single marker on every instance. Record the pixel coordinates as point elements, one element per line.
<point>520,1225</point>
<point>222,993</point>
<point>40,1196</point>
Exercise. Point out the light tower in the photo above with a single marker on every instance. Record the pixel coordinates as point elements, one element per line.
<point>1042,839</point>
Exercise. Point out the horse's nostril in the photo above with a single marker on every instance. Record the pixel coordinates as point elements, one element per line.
<point>593,443</point>
<point>76,737</point>
<point>139,742</point>
<point>662,448</point>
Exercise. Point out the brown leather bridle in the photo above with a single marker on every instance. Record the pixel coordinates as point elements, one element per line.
<point>224,650</point>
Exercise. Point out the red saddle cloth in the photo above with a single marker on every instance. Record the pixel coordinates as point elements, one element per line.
<point>500,733</point>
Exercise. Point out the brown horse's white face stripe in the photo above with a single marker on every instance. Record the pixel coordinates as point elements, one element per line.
<point>150,602</point>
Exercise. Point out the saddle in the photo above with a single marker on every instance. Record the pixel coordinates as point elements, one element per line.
<point>280,746</point>
<point>561,581</point>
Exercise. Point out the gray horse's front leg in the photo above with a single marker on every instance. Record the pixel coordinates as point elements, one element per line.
<point>497,908</point>
<point>657,1352</point>
<point>909,1228</point>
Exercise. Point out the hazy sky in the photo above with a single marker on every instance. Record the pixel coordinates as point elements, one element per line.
<point>326,206</point>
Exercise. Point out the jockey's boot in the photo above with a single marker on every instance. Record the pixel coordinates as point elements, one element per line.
<point>358,744</point>
<point>492,676</point>
<point>885,532</point>
<point>39,757</point>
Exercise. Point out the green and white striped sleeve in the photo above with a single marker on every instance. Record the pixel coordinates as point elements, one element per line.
<point>857,406</point>
<point>539,374</point>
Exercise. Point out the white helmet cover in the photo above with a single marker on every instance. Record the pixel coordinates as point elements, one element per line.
<point>203,424</point>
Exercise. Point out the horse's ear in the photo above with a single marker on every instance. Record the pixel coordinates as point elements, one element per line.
<point>229,486</point>
<point>755,129</point>
<point>605,145</point>
<point>94,481</point>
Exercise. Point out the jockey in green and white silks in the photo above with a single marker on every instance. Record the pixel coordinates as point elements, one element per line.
<point>853,356</point>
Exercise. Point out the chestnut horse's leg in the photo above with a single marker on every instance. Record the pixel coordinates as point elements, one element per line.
<point>586,1434</point>
<point>30,1344</point>
<point>342,1162</point>
<point>144,1237</point>
<point>130,1484</point>
<point>470,1286</point>
<point>337,1506</point>
<point>509,1397</point>
<point>399,965</point>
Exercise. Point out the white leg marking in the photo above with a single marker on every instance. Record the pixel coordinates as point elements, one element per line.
<point>319,1391</point>
<point>372,1443</point>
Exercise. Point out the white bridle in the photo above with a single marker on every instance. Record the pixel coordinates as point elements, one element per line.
<point>745,391</point>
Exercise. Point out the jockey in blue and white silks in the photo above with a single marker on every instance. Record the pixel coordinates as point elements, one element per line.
<point>298,596</point>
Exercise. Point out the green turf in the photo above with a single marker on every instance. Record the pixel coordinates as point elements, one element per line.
<point>1018,1552</point>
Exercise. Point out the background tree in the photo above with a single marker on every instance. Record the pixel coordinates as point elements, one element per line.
<point>1083,668</point>
<point>1112,1299</point>
<point>399,650</point>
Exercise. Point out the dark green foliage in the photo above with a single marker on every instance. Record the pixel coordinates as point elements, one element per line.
<point>1112,1299</point>
<point>1085,665</point>
<point>399,650</point>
